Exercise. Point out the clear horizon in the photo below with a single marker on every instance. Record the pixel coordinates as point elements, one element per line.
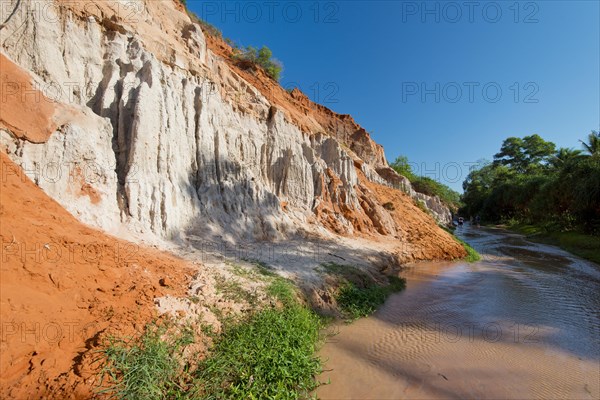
<point>443,83</point>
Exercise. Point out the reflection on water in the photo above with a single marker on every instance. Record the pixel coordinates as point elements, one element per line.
<point>523,323</point>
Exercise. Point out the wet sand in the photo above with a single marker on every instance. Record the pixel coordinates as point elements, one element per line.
<point>524,323</point>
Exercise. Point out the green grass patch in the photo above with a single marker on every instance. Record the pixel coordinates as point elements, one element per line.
<point>283,291</point>
<point>264,269</point>
<point>525,229</point>
<point>422,206</point>
<point>580,244</point>
<point>270,356</point>
<point>357,302</point>
<point>234,291</point>
<point>260,270</point>
<point>360,294</point>
<point>584,246</point>
<point>146,368</point>
<point>472,254</point>
<point>349,273</point>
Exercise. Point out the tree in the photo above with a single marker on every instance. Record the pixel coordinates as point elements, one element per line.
<point>402,166</point>
<point>479,186</point>
<point>593,143</point>
<point>530,182</point>
<point>524,154</point>
<point>564,156</point>
<point>537,150</point>
<point>511,153</point>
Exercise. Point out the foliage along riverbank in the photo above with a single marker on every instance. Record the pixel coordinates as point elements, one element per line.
<point>267,352</point>
<point>472,254</point>
<point>577,243</point>
<point>532,183</point>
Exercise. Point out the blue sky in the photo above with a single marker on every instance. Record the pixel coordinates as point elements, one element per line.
<point>440,82</point>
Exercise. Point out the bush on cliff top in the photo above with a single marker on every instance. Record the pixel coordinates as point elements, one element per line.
<point>262,57</point>
<point>249,55</point>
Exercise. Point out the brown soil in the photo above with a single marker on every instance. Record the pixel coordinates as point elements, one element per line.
<point>421,238</point>
<point>64,286</point>
<point>25,111</point>
<point>411,233</point>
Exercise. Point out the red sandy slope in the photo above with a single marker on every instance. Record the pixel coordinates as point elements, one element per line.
<point>63,285</point>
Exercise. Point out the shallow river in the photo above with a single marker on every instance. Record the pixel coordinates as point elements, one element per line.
<point>523,323</point>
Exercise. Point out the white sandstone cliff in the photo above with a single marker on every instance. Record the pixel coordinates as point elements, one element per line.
<point>169,139</point>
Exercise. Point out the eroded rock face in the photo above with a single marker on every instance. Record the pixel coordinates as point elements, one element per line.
<point>438,210</point>
<point>166,138</point>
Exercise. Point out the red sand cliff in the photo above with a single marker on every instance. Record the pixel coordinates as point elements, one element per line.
<point>63,285</point>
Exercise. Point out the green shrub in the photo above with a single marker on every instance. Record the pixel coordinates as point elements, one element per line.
<point>146,368</point>
<point>356,302</point>
<point>262,57</point>
<point>426,185</point>
<point>269,356</point>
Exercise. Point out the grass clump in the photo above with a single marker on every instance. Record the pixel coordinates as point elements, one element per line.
<point>357,302</point>
<point>472,254</point>
<point>206,26</point>
<point>580,244</point>
<point>389,206</point>
<point>265,270</point>
<point>234,291</point>
<point>282,290</point>
<point>258,271</point>
<point>422,206</point>
<point>359,294</point>
<point>146,368</point>
<point>269,356</point>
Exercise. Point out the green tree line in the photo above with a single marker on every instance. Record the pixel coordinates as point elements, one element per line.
<point>427,185</point>
<point>531,181</point>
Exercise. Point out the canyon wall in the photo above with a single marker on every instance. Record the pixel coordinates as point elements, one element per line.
<point>158,132</point>
<point>128,116</point>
